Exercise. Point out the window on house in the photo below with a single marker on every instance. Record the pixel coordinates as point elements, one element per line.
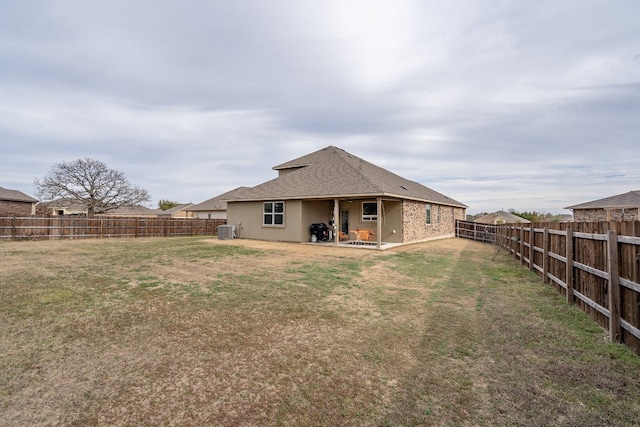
<point>273,213</point>
<point>369,211</point>
<point>428,214</point>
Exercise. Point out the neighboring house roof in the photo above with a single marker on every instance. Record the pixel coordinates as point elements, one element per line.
<point>175,209</point>
<point>333,173</point>
<point>503,216</point>
<point>626,200</point>
<point>67,204</point>
<point>132,211</point>
<point>218,203</point>
<point>15,196</point>
<point>74,206</point>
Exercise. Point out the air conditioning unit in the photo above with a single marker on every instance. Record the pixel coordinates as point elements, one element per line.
<point>226,232</point>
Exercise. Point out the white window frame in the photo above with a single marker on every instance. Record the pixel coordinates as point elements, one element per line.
<point>428,214</point>
<point>370,217</point>
<point>273,213</point>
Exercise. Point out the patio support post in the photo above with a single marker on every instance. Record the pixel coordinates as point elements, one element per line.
<point>379,223</point>
<point>336,221</point>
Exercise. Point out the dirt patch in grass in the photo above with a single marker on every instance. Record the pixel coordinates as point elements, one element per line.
<point>199,331</point>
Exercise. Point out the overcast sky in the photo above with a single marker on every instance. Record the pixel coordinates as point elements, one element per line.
<point>526,105</point>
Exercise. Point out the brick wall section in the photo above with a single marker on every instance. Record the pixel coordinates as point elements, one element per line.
<point>593,215</point>
<point>414,223</point>
<point>13,208</point>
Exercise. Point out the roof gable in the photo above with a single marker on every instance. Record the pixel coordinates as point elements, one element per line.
<point>332,172</point>
<point>626,200</point>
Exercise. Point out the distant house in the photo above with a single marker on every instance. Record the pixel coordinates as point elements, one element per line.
<point>62,207</point>
<point>501,217</point>
<point>349,195</point>
<point>564,217</point>
<point>68,207</point>
<point>16,203</point>
<point>131,212</point>
<point>622,207</point>
<point>214,208</point>
<point>180,211</point>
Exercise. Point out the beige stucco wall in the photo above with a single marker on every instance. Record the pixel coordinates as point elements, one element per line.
<point>588,215</point>
<point>314,212</point>
<point>247,217</point>
<point>415,227</point>
<point>401,221</point>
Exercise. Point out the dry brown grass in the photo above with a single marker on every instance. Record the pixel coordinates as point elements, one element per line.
<point>198,331</point>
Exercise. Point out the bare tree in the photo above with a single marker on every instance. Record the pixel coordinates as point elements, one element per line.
<point>91,183</point>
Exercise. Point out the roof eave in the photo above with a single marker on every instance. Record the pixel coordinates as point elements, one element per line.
<point>351,196</point>
<point>603,207</point>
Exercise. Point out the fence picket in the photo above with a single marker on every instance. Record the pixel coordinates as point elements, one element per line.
<point>614,286</point>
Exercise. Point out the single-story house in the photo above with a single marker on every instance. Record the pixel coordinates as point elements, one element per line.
<point>16,203</point>
<point>214,208</point>
<point>68,207</point>
<point>501,217</point>
<point>64,206</point>
<point>180,211</point>
<point>131,212</point>
<point>622,207</point>
<point>349,195</point>
<point>564,217</point>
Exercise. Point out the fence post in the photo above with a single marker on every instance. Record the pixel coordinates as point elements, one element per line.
<point>569,266</point>
<point>614,287</point>
<point>522,244</point>
<point>531,241</point>
<point>545,255</point>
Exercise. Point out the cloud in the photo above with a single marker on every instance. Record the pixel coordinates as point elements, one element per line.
<point>530,105</point>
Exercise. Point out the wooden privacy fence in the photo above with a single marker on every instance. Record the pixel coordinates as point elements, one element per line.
<point>31,228</point>
<point>596,265</point>
<point>476,231</point>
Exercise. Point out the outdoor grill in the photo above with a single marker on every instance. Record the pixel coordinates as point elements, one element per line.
<point>320,231</point>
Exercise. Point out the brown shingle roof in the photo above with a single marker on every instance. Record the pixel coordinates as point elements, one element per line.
<point>15,195</point>
<point>131,211</point>
<point>218,203</point>
<point>626,200</point>
<point>332,173</point>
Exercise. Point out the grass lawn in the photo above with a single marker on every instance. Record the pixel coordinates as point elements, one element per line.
<point>197,331</point>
